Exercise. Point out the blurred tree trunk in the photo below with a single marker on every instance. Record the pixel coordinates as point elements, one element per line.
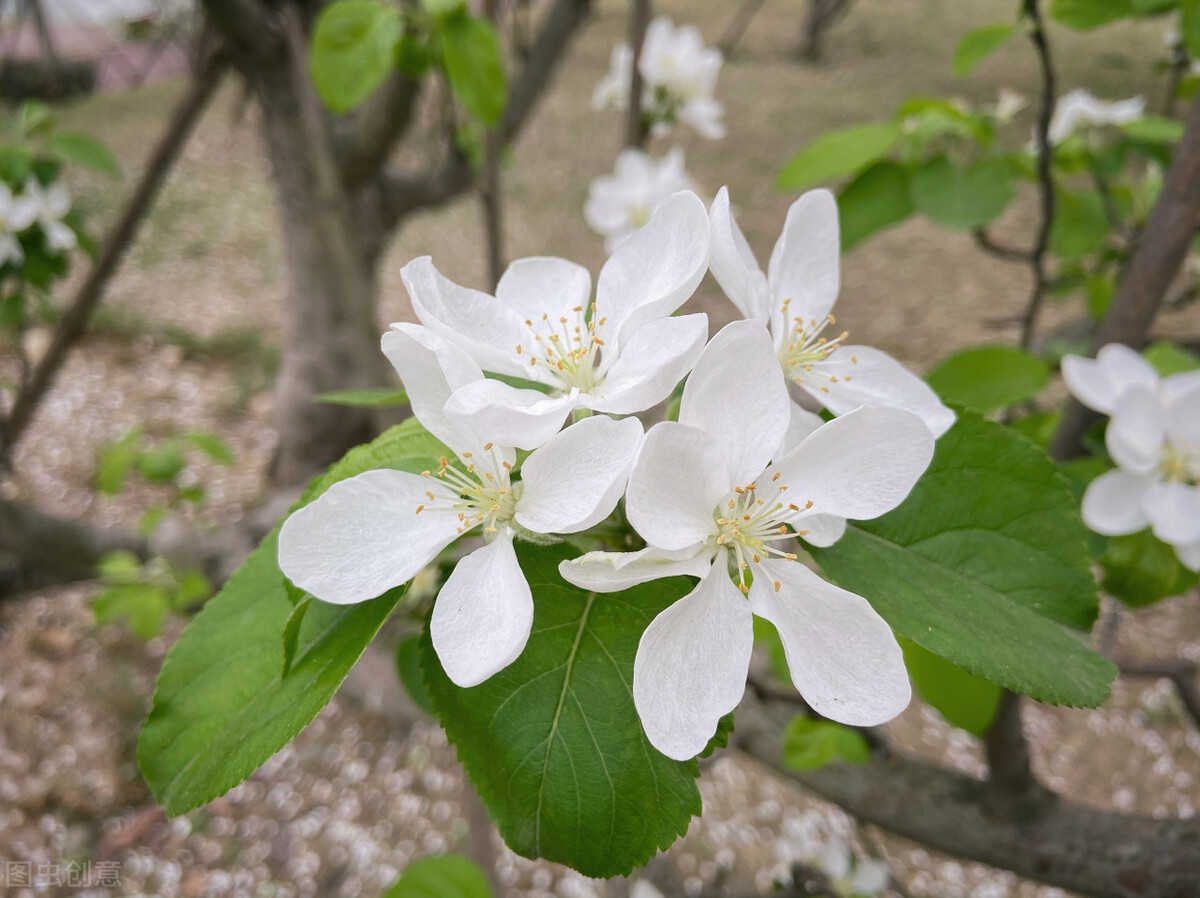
<point>821,15</point>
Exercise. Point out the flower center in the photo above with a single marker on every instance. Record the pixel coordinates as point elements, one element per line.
<point>490,500</point>
<point>1180,465</point>
<point>807,347</point>
<point>749,524</point>
<point>567,347</point>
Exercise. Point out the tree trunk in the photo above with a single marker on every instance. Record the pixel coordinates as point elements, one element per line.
<point>331,335</point>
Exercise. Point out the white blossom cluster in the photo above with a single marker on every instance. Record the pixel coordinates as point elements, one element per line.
<point>45,207</point>
<point>721,494</point>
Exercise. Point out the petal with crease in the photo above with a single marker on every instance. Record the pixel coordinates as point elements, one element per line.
<point>820,529</point>
<point>1183,418</point>
<point>1136,431</point>
<point>482,615</point>
<point>574,480</point>
<point>733,264</point>
<point>804,264</point>
<point>737,394</point>
<point>652,362</point>
<point>509,415</point>
<point>691,663</point>
<point>678,479</point>
<point>862,375</point>
<point>1174,512</point>
<point>363,536</point>
<point>1113,504</point>
<point>843,657</point>
<point>614,571</point>
<point>801,424</point>
<point>858,466</point>
<point>1098,383</point>
<point>545,285</point>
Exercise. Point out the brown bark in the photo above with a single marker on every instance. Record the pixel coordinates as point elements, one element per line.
<point>821,15</point>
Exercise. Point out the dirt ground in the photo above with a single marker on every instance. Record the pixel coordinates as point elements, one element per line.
<point>188,339</point>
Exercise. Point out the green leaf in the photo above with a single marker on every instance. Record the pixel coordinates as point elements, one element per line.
<point>985,564</point>
<point>965,700</point>
<point>977,45</point>
<point>212,446</point>
<point>1098,292</point>
<point>809,743</point>
<point>408,666</point>
<point>353,48</point>
<point>1169,358</point>
<point>1155,129</point>
<point>1140,569</point>
<point>987,378</point>
<point>83,149</point>
<point>878,198</point>
<point>1080,224</point>
<point>116,461</point>
<point>1083,15</point>
<point>474,64</point>
<point>553,742</point>
<point>441,876</point>
<point>383,397</point>
<point>162,464</point>
<point>223,705</point>
<point>836,154</point>
<point>962,198</point>
<point>143,606</point>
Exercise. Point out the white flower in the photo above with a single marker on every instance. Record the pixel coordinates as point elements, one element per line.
<point>53,203</point>
<point>679,77</point>
<point>16,214</point>
<point>1008,104</point>
<point>1098,383</point>
<point>709,505</point>
<point>622,358</point>
<point>794,299</point>
<point>375,531</point>
<point>850,875</point>
<point>620,203</point>
<point>1080,108</point>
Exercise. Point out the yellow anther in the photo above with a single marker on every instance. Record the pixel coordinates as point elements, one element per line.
<point>777,585</point>
<point>420,508</point>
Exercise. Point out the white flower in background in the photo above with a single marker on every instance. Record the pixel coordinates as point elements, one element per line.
<point>709,505</point>
<point>1008,104</point>
<point>679,77</point>
<point>1154,437</point>
<point>795,298</point>
<point>1080,109</point>
<point>16,214</point>
<point>851,875</point>
<point>620,203</point>
<point>53,203</point>
<point>643,889</point>
<point>370,533</point>
<point>620,354</point>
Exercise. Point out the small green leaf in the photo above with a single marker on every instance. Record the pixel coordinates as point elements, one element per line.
<point>965,700</point>
<point>353,48</point>
<point>212,446</point>
<point>83,149</point>
<point>1099,291</point>
<point>977,45</point>
<point>408,666</point>
<point>441,876</point>
<point>116,461</point>
<point>987,378</point>
<point>383,397</point>
<point>1170,358</point>
<point>413,56</point>
<point>152,519</point>
<point>836,154</point>
<point>809,743</point>
<point>143,606</point>
<point>878,198</point>
<point>962,198</point>
<point>474,64</point>
<point>1141,569</point>
<point>163,463</point>
<point>1154,129</point>
<point>119,566</point>
<point>553,742</point>
<point>985,564</point>
<point>291,632</point>
<point>35,117</point>
<point>1080,224</point>
<point>1083,15</point>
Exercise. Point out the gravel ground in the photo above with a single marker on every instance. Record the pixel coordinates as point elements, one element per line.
<point>364,790</point>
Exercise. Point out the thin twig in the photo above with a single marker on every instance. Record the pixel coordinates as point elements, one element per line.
<point>1180,671</point>
<point>1037,258</point>
<point>636,131</point>
<point>1009,253</point>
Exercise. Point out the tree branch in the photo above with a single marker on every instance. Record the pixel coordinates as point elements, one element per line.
<point>248,24</point>
<point>1094,852</point>
<point>1010,253</point>
<point>1160,250</point>
<point>73,324</point>
<point>1180,671</point>
<point>636,131</point>
<point>363,139</point>
<point>1007,750</point>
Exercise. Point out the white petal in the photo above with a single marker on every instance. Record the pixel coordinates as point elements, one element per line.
<point>1182,402</point>
<point>678,479</point>
<point>1136,432</point>
<point>59,237</point>
<point>655,270</point>
<point>615,571</point>
<point>733,264</point>
<point>804,263</point>
<point>431,369</point>
<point>574,481</point>
<point>651,363</point>
<point>843,657</point>
<point>737,394</point>
<point>363,536</point>
<point>1112,503</point>
<point>1177,386</point>
<point>508,415</point>
<point>870,876</point>
<point>1189,555</point>
<point>1099,382</point>
<point>10,250</point>
<point>643,889</point>
<point>690,669</point>
<point>1174,512</point>
<point>868,376</point>
<point>822,529</point>
<point>482,616</point>
<point>858,466</point>
<point>545,285</point>
<point>488,330</point>
<point>801,424</point>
